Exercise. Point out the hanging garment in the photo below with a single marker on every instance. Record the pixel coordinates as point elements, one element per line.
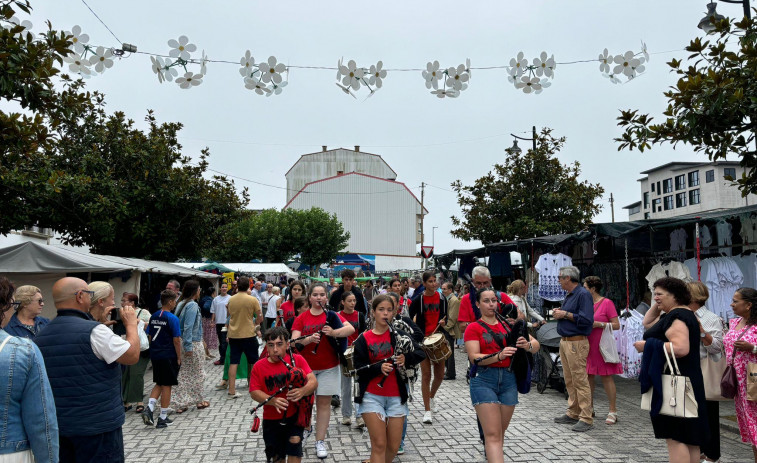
<point>548,267</point>
<point>672,269</point>
<point>705,238</point>
<point>724,230</point>
<point>749,231</point>
<point>499,264</point>
<point>678,242</point>
<point>631,330</point>
<point>722,278</point>
<point>747,265</point>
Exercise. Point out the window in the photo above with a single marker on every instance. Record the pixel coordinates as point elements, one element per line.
<point>694,178</point>
<point>646,215</point>
<point>681,199</point>
<point>694,197</point>
<point>667,185</point>
<point>652,187</point>
<point>646,200</point>
<point>634,210</point>
<point>729,172</point>
<point>680,182</point>
<point>656,205</point>
<point>659,191</point>
<point>668,202</point>
<point>709,176</point>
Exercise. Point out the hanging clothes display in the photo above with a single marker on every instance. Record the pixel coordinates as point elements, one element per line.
<point>723,276</point>
<point>548,267</point>
<point>614,282</point>
<point>724,231</point>
<point>631,330</point>
<point>678,242</point>
<point>705,238</point>
<point>749,231</point>
<point>499,264</point>
<point>671,269</point>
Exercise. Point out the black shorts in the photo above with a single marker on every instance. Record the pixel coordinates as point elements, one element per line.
<point>246,346</point>
<point>106,447</point>
<point>165,372</point>
<point>276,434</point>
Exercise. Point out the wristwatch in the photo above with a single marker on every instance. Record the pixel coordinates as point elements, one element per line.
<point>754,349</point>
<point>703,334</point>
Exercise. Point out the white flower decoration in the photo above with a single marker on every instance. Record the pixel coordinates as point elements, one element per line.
<point>189,80</point>
<point>451,93</point>
<point>377,75</point>
<point>102,59</point>
<point>169,73</point>
<point>157,67</point>
<point>277,89</point>
<point>545,66</point>
<point>78,39</point>
<point>644,51</point>
<point>612,78</point>
<point>352,75</point>
<point>181,48</point>
<point>77,64</point>
<point>605,60</point>
<point>272,70</point>
<point>529,84</point>
<point>204,64</point>
<point>247,62</point>
<point>512,75</point>
<point>25,24</point>
<point>346,90</point>
<point>626,64</point>
<point>456,77</point>
<point>255,84</point>
<point>432,74</point>
<point>518,64</point>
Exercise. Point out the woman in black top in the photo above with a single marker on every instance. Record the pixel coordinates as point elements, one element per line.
<point>679,331</point>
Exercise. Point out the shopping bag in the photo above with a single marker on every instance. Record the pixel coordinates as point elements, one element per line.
<point>751,382</point>
<point>144,341</point>
<point>712,374</point>
<point>677,393</point>
<point>607,345</point>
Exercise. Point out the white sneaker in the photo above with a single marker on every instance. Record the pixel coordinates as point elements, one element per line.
<point>433,405</point>
<point>360,423</point>
<point>427,418</point>
<point>346,421</point>
<point>320,449</point>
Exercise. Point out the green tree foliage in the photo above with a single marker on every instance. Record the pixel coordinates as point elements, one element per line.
<point>530,194</point>
<point>66,164</point>
<point>277,236</point>
<point>713,106</point>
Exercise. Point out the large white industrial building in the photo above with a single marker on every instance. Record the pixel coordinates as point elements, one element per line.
<point>382,215</point>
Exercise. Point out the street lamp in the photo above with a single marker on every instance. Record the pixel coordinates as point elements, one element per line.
<point>515,149</point>
<point>707,24</point>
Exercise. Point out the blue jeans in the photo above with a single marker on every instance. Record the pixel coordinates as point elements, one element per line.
<point>346,397</point>
<point>493,385</point>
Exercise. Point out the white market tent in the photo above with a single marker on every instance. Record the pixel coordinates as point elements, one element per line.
<point>250,268</point>
<point>30,263</point>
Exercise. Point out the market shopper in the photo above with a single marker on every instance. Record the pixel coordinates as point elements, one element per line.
<point>741,346</point>
<point>133,376</point>
<point>575,319</point>
<point>604,314</point>
<point>517,291</point>
<point>244,315</point>
<point>190,389</point>
<point>218,316</point>
<point>26,321</point>
<point>451,328</point>
<point>209,335</point>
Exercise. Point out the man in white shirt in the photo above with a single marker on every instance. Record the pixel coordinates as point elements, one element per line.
<point>265,296</point>
<point>257,292</point>
<point>271,315</point>
<point>219,316</point>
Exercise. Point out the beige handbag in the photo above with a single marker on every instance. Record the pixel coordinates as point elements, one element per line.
<point>751,382</point>
<point>712,373</point>
<point>677,394</point>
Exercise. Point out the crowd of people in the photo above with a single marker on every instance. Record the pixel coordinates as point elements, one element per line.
<point>69,381</point>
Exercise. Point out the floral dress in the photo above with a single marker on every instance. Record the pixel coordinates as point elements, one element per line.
<point>746,411</point>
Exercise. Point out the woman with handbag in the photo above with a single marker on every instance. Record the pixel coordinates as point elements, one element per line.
<point>604,314</point>
<point>741,351</point>
<point>192,374</point>
<point>711,360</point>
<point>133,376</point>
<point>676,333</point>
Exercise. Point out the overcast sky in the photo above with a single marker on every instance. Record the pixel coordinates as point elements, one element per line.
<point>423,138</point>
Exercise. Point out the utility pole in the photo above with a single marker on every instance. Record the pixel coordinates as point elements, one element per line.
<point>612,207</point>
<point>423,192</point>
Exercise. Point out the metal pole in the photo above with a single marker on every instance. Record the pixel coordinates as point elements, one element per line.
<point>612,207</point>
<point>533,133</point>
<point>423,192</point>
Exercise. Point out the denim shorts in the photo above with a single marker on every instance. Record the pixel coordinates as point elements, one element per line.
<point>493,385</point>
<point>384,406</point>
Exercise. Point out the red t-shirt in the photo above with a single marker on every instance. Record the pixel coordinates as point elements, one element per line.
<point>487,344</point>
<point>431,312</point>
<point>379,348</point>
<point>287,309</point>
<point>269,377</point>
<point>466,309</point>
<point>354,319</point>
<point>307,323</point>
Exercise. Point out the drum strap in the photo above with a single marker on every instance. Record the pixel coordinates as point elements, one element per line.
<point>491,332</point>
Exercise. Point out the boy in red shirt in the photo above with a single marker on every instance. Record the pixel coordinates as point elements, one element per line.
<point>281,434</point>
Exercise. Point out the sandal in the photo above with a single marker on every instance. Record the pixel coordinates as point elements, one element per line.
<point>203,404</point>
<point>139,409</point>
<point>222,386</point>
<point>181,410</point>
<point>127,407</point>
<point>612,418</point>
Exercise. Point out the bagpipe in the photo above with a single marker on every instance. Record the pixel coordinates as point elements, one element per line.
<point>295,378</point>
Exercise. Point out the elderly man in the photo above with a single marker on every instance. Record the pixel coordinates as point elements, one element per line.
<point>82,359</point>
<point>575,321</point>
<point>272,308</point>
<point>257,292</point>
<point>469,311</point>
<point>451,328</point>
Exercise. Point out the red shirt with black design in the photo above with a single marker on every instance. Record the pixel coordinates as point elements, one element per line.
<point>287,310</point>
<point>486,342</point>
<point>379,348</point>
<point>269,376</point>
<point>431,312</point>
<point>307,323</point>
<point>466,314</point>
<point>354,320</point>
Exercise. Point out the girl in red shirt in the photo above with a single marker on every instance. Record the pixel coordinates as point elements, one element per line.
<point>493,390</point>
<point>395,286</point>
<point>296,289</point>
<point>357,320</point>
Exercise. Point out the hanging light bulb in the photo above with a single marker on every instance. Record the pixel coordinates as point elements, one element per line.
<point>707,24</point>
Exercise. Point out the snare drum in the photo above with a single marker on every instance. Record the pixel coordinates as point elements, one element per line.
<point>437,348</point>
<point>349,365</point>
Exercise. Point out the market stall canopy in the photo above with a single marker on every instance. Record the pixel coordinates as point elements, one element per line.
<point>251,268</point>
<point>31,257</point>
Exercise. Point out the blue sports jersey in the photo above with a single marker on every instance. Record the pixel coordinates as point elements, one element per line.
<point>163,327</point>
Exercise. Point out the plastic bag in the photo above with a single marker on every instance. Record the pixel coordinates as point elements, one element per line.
<point>607,346</point>
<point>144,341</point>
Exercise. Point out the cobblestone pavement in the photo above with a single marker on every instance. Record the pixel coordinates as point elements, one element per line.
<point>221,433</point>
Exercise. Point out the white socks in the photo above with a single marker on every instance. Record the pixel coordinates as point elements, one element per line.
<point>151,403</point>
<point>163,413</point>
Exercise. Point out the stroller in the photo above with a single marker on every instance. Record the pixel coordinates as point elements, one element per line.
<point>547,365</point>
